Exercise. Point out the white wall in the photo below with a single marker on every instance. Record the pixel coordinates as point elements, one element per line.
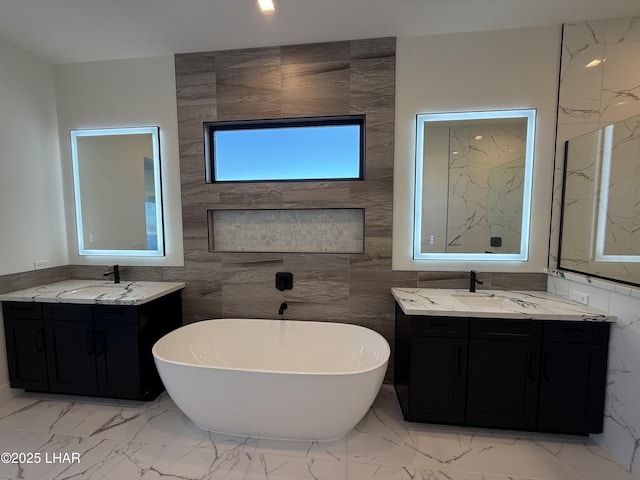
<point>31,198</point>
<point>505,69</point>
<point>123,93</point>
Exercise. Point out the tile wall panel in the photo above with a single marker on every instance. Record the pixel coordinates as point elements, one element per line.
<point>280,82</point>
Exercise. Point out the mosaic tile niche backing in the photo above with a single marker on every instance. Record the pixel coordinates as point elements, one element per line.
<point>332,230</point>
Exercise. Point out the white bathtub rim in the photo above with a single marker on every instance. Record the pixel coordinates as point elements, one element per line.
<point>382,363</point>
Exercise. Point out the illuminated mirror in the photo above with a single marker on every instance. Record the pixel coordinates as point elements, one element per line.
<point>117,187</point>
<point>600,233</point>
<point>473,185</point>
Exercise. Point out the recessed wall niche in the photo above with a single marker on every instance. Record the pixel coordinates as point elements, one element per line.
<point>313,230</point>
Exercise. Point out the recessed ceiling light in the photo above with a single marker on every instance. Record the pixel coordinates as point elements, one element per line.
<point>478,137</point>
<point>594,63</point>
<point>266,6</point>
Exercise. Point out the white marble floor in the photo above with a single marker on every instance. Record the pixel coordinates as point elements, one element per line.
<point>78,438</point>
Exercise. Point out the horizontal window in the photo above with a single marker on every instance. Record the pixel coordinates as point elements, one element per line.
<point>320,148</point>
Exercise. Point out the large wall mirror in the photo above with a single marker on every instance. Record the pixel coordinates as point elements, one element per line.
<point>600,233</point>
<point>117,186</point>
<point>473,185</point>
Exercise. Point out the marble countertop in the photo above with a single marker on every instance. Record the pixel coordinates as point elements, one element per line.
<point>94,292</point>
<point>531,305</point>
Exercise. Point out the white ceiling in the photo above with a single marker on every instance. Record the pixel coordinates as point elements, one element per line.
<point>68,31</point>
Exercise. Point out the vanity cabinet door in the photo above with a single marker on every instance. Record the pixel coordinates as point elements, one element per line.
<point>431,367</point>
<point>71,347</point>
<point>26,354</point>
<point>572,388</point>
<point>117,361</point>
<point>71,357</point>
<point>502,389</point>
<point>438,379</point>
<point>573,377</point>
<point>117,358</point>
<point>503,381</point>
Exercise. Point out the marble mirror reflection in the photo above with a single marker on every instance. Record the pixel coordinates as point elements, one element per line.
<point>600,233</point>
<point>117,187</point>
<point>473,185</point>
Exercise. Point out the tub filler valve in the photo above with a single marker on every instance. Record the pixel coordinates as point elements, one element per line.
<point>283,307</point>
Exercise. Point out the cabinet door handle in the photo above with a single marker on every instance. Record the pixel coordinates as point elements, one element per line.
<point>100,343</point>
<point>460,351</point>
<point>40,346</point>
<point>532,365</point>
<point>91,343</point>
<point>546,374</point>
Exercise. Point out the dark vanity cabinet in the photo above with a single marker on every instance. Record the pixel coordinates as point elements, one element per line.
<point>98,350</point>
<point>517,374</point>
<point>422,344</point>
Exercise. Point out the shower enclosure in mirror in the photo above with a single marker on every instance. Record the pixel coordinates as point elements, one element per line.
<point>600,233</point>
<point>473,185</point>
<point>117,186</point>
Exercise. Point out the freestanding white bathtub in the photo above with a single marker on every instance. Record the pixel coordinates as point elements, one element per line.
<point>284,379</point>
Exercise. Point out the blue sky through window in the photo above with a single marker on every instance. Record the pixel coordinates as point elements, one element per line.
<point>288,153</point>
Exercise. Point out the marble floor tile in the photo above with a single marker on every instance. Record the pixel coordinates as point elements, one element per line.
<point>187,463</point>
<point>112,440</point>
<point>332,450</point>
<point>579,459</point>
<point>265,466</point>
<point>382,472</point>
<point>64,457</point>
<point>443,450</point>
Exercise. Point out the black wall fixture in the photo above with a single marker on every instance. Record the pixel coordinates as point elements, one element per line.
<point>284,281</point>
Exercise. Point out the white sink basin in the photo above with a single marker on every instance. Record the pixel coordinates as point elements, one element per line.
<point>483,301</point>
<point>480,299</point>
<point>94,291</point>
<point>467,293</point>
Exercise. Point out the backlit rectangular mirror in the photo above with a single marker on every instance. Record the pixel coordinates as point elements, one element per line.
<point>473,185</point>
<point>117,187</point>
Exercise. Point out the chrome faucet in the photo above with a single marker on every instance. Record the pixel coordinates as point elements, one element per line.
<point>473,280</point>
<point>283,307</point>
<point>115,272</point>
